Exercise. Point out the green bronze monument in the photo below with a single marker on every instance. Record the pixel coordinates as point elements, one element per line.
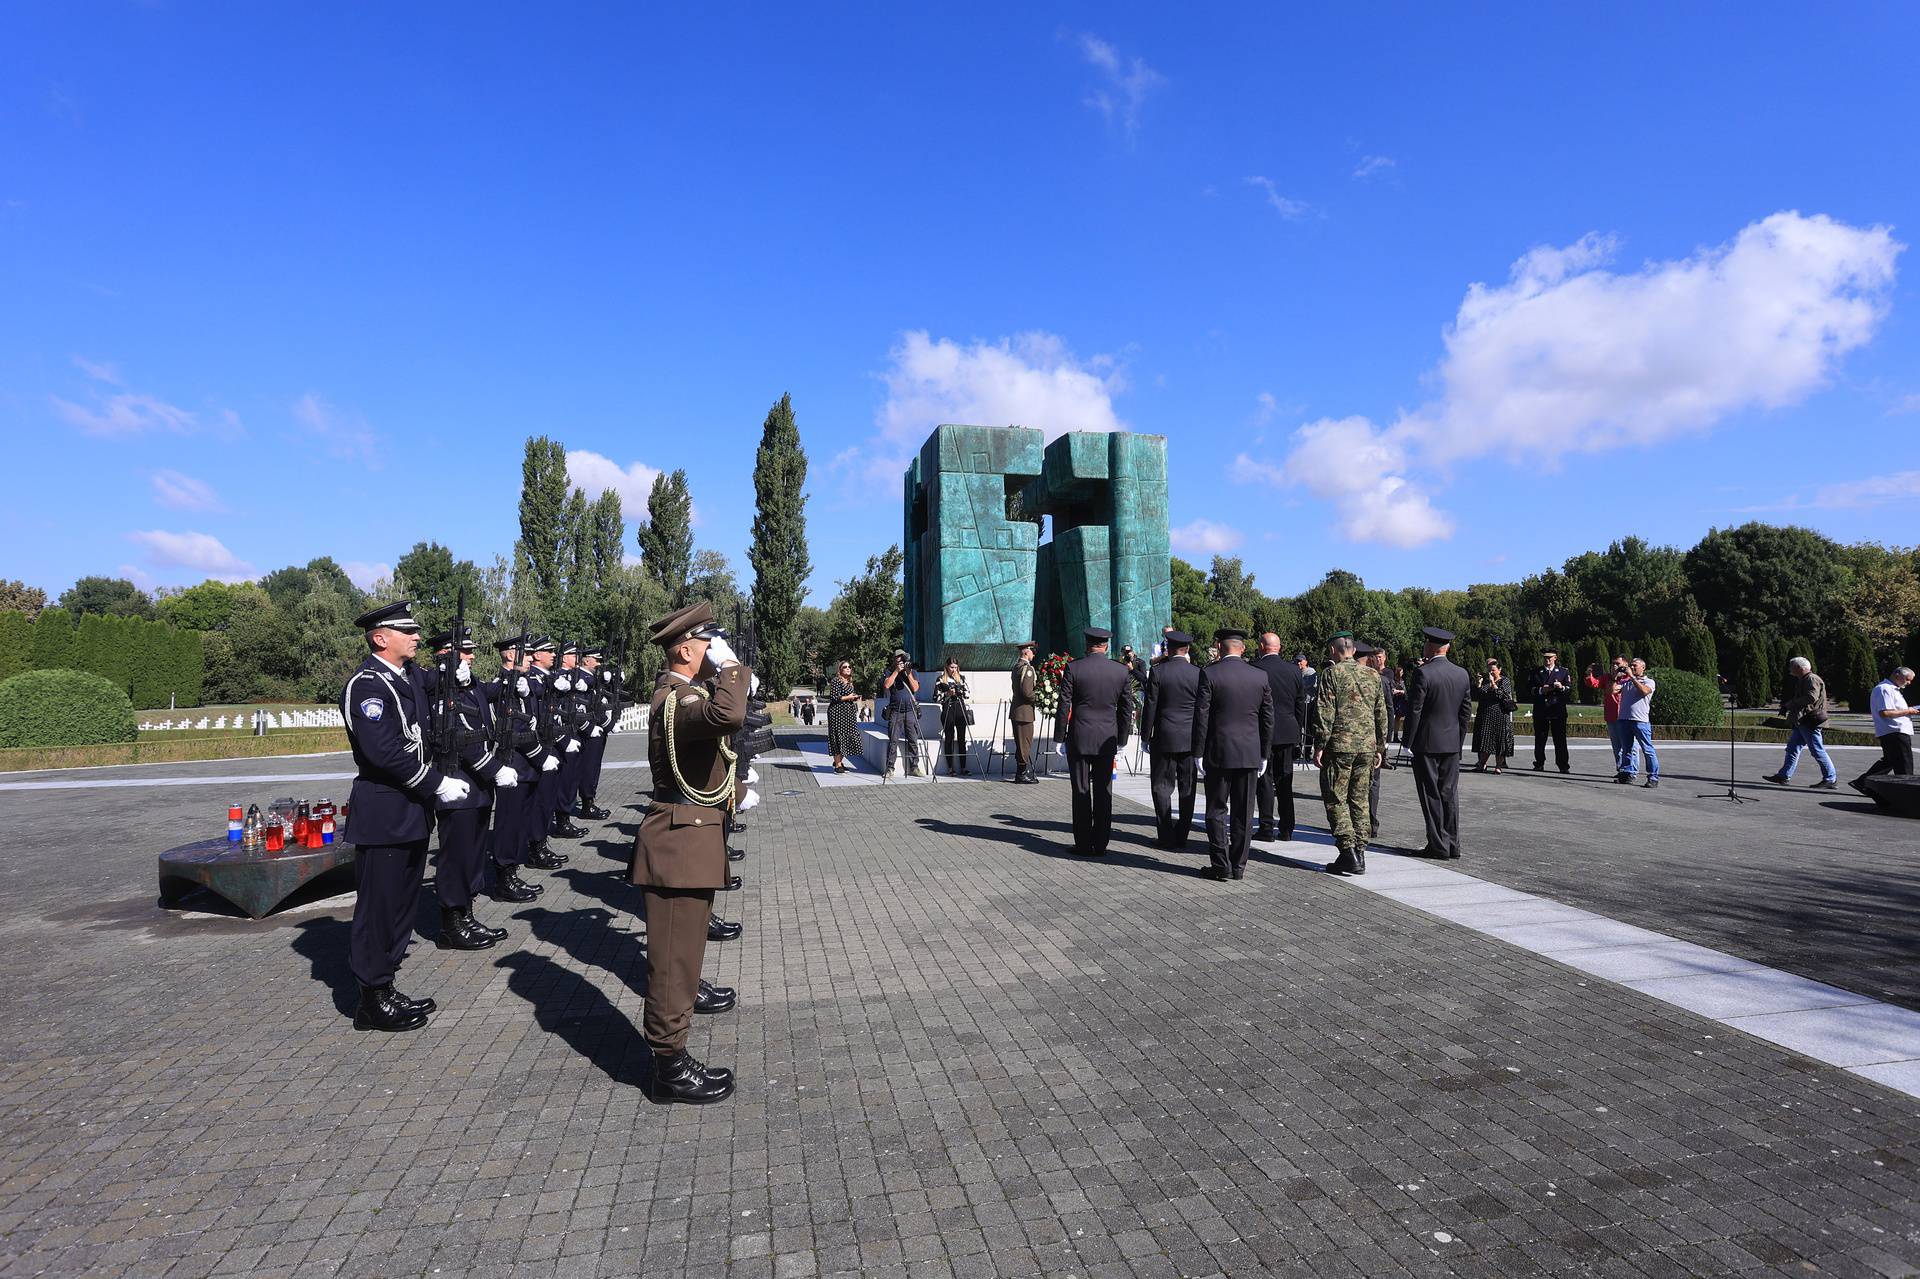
<point>979,580</point>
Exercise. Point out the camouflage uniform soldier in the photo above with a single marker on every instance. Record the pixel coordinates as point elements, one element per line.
<point>1350,723</point>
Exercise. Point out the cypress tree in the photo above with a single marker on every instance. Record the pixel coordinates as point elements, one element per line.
<point>779,550</point>
<point>666,539</point>
<point>1855,677</point>
<point>1694,652</point>
<point>1750,683</point>
<point>543,500</point>
<point>52,640</point>
<point>16,643</point>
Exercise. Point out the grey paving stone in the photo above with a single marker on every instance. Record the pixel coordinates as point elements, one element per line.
<point>1857,1035</point>
<point>1648,962</point>
<point>1746,994</point>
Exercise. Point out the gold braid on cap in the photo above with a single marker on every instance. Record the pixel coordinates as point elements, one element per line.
<point>721,796</point>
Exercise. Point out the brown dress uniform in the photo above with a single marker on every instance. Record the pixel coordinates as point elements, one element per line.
<point>1020,713</point>
<point>680,854</point>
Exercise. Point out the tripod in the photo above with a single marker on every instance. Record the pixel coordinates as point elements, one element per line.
<point>1731,793</point>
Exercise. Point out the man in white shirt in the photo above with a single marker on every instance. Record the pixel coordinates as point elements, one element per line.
<point>1636,705</point>
<point>1893,725</point>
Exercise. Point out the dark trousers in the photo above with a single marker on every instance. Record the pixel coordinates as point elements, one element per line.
<point>953,738</point>
<point>593,754</point>
<point>1173,775</point>
<point>1550,719</point>
<point>676,947</point>
<point>1896,756</point>
<point>386,880</point>
<point>1092,802</point>
<point>904,727</point>
<point>1276,788</point>
<point>570,764</point>
<point>1023,747</point>
<point>509,838</point>
<point>546,801</point>
<point>1436,780</point>
<point>1373,800</point>
<point>1229,816</point>
<point>461,865</point>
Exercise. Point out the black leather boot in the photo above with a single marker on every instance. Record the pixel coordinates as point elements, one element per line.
<point>1360,859</point>
<point>540,857</point>
<point>735,825</point>
<point>1341,865</point>
<point>733,884</point>
<point>593,811</point>
<point>563,828</point>
<point>681,1078</point>
<point>421,1006</point>
<point>719,929</point>
<point>456,934</point>
<point>736,854</point>
<point>713,999</point>
<point>509,887</point>
<point>380,1011</point>
<point>498,934</point>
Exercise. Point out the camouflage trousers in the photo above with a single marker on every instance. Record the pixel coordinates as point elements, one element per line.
<point>1344,781</point>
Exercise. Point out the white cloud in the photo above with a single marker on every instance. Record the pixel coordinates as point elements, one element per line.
<point>98,370</point>
<point>364,574</point>
<point>202,552</point>
<point>1875,490</point>
<point>1204,537</point>
<point>1906,404</point>
<point>1285,206</point>
<point>1029,380</point>
<point>183,492</point>
<point>139,577</point>
<point>123,413</point>
<point>345,434</point>
<point>1569,355</point>
<point>1372,166</point>
<point>596,474</point>
<point>1125,83</point>
<point>1248,470</point>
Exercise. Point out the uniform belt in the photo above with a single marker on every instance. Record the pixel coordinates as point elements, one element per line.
<point>523,740</point>
<point>673,796</point>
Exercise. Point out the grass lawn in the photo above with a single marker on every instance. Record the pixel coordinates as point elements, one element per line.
<point>229,709</point>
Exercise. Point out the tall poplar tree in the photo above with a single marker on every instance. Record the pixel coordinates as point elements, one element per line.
<point>779,550</point>
<point>543,502</point>
<point>576,556</point>
<point>666,539</point>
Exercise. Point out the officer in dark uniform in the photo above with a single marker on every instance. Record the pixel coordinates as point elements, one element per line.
<point>1173,691</point>
<point>520,750</point>
<point>567,702</point>
<point>1096,700</point>
<point>679,855</point>
<point>391,818</point>
<point>1439,719</point>
<point>1233,726</point>
<point>1020,714</point>
<point>549,719</point>
<point>459,871</point>
<point>1275,786</point>
<point>602,708</point>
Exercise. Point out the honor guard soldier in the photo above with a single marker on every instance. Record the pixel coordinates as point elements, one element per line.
<point>1020,714</point>
<point>459,871</point>
<point>553,741</point>
<point>1233,726</point>
<point>602,704</point>
<point>680,853</point>
<point>394,792</point>
<point>520,750</point>
<point>1439,719</point>
<point>1173,692</point>
<point>565,702</point>
<point>1096,700</point>
<point>1350,729</point>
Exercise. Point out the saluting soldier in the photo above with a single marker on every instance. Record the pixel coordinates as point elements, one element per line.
<point>391,815</point>
<point>520,750</point>
<point>1350,727</point>
<point>1166,725</point>
<point>680,853</point>
<point>601,705</point>
<point>1234,728</point>
<point>1020,714</point>
<point>1096,700</point>
<point>459,871</point>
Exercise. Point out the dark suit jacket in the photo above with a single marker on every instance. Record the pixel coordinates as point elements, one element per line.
<point>1233,725</point>
<point>1173,693</point>
<point>1439,708</point>
<point>1096,699</point>
<point>1289,698</point>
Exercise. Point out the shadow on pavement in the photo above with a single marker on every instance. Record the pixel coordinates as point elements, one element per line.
<point>323,944</point>
<point>567,1005</point>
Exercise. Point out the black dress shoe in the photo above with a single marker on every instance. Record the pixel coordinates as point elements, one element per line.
<point>1439,854</point>
<point>1286,837</point>
<point>1566,770</point>
<point>380,1011</point>
<point>1453,854</point>
<point>421,1006</point>
<point>546,859</point>
<point>1539,766</point>
<point>681,1078</point>
<point>722,930</point>
<point>1826,786</point>
<point>733,884</point>
<point>594,812</point>
<point>736,854</point>
<point>457,934</point>
<point>1263,835</point>
<point>564,829</point>
<point>498,934</point>
<point>713,999</point>
<point>1212,872</point>
<point>509,887</point>
<point>1238,872</point>
<point>735,826</point>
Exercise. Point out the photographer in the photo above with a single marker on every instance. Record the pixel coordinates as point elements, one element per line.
<point>950,690</point>
<point>1634,689</point>
<point>898,696</point>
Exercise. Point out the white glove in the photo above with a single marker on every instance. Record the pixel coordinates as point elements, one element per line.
<point>594,731</point>
<point>753,683</point>
<point>720,653</point>
<point>753,775</point>
<point>562,683</point>
<point>573,746</point>
<point>751,801</point>
<point>463,675</point>
<point>551,764</point>
<point>607,675</point>
<point>506,777</point>
<point>520,685</point>
<point>1060,749</point>
<point>1263,769</point>
<point>451,790</point>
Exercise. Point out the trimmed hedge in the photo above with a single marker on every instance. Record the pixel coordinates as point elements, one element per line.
<point>171,749</point>
<point>1681,697</point>
<point>63,708</point>
<point>150,662</point>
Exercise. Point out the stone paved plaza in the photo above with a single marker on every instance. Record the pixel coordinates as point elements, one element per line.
<point>964,1051</point>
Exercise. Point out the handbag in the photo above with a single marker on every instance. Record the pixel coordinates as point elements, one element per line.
<point>969,717</point>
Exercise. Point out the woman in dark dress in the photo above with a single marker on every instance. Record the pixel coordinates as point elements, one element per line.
<point>1493,720</point>
<point>950,690</point>
<point>842,703</point>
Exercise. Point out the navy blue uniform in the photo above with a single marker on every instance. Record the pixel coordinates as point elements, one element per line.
<point>1173,692</point>
<point>548,720</point>
<point>460,871</point>
<point>515,712</point>
<point>391,816</point>
<point>571,713</point>
<point>602,711</point>
<point>1096,697</point>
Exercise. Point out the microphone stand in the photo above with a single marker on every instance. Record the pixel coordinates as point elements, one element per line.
<point>1731,793</point>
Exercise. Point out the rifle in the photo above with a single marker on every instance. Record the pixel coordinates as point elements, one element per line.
<point>445,729</point>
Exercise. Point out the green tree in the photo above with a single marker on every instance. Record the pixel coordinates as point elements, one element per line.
<point>111,596</point>
<point>711,579</point>
<point>16,643</point>
<point>1752,681</point>
<point>1760,577</point>
<point>52,640</point>
<point>582,605</point>
<point>779,550</point>
<point>1193,607</point>
<point>205,607</point>
<point>429,576</point>
<point>18,597</point>
<point>1880,598</point>
<point>864,622</point>
<point>543,501</point>
<point>1629,588</point>
<point>330,647</point>
<point>666,539</point>
<point>1693,651</point>
<point>608,540</point>
<point>1855,676</point>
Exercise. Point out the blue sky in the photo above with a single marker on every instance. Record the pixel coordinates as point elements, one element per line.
<point>1438,297</point>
